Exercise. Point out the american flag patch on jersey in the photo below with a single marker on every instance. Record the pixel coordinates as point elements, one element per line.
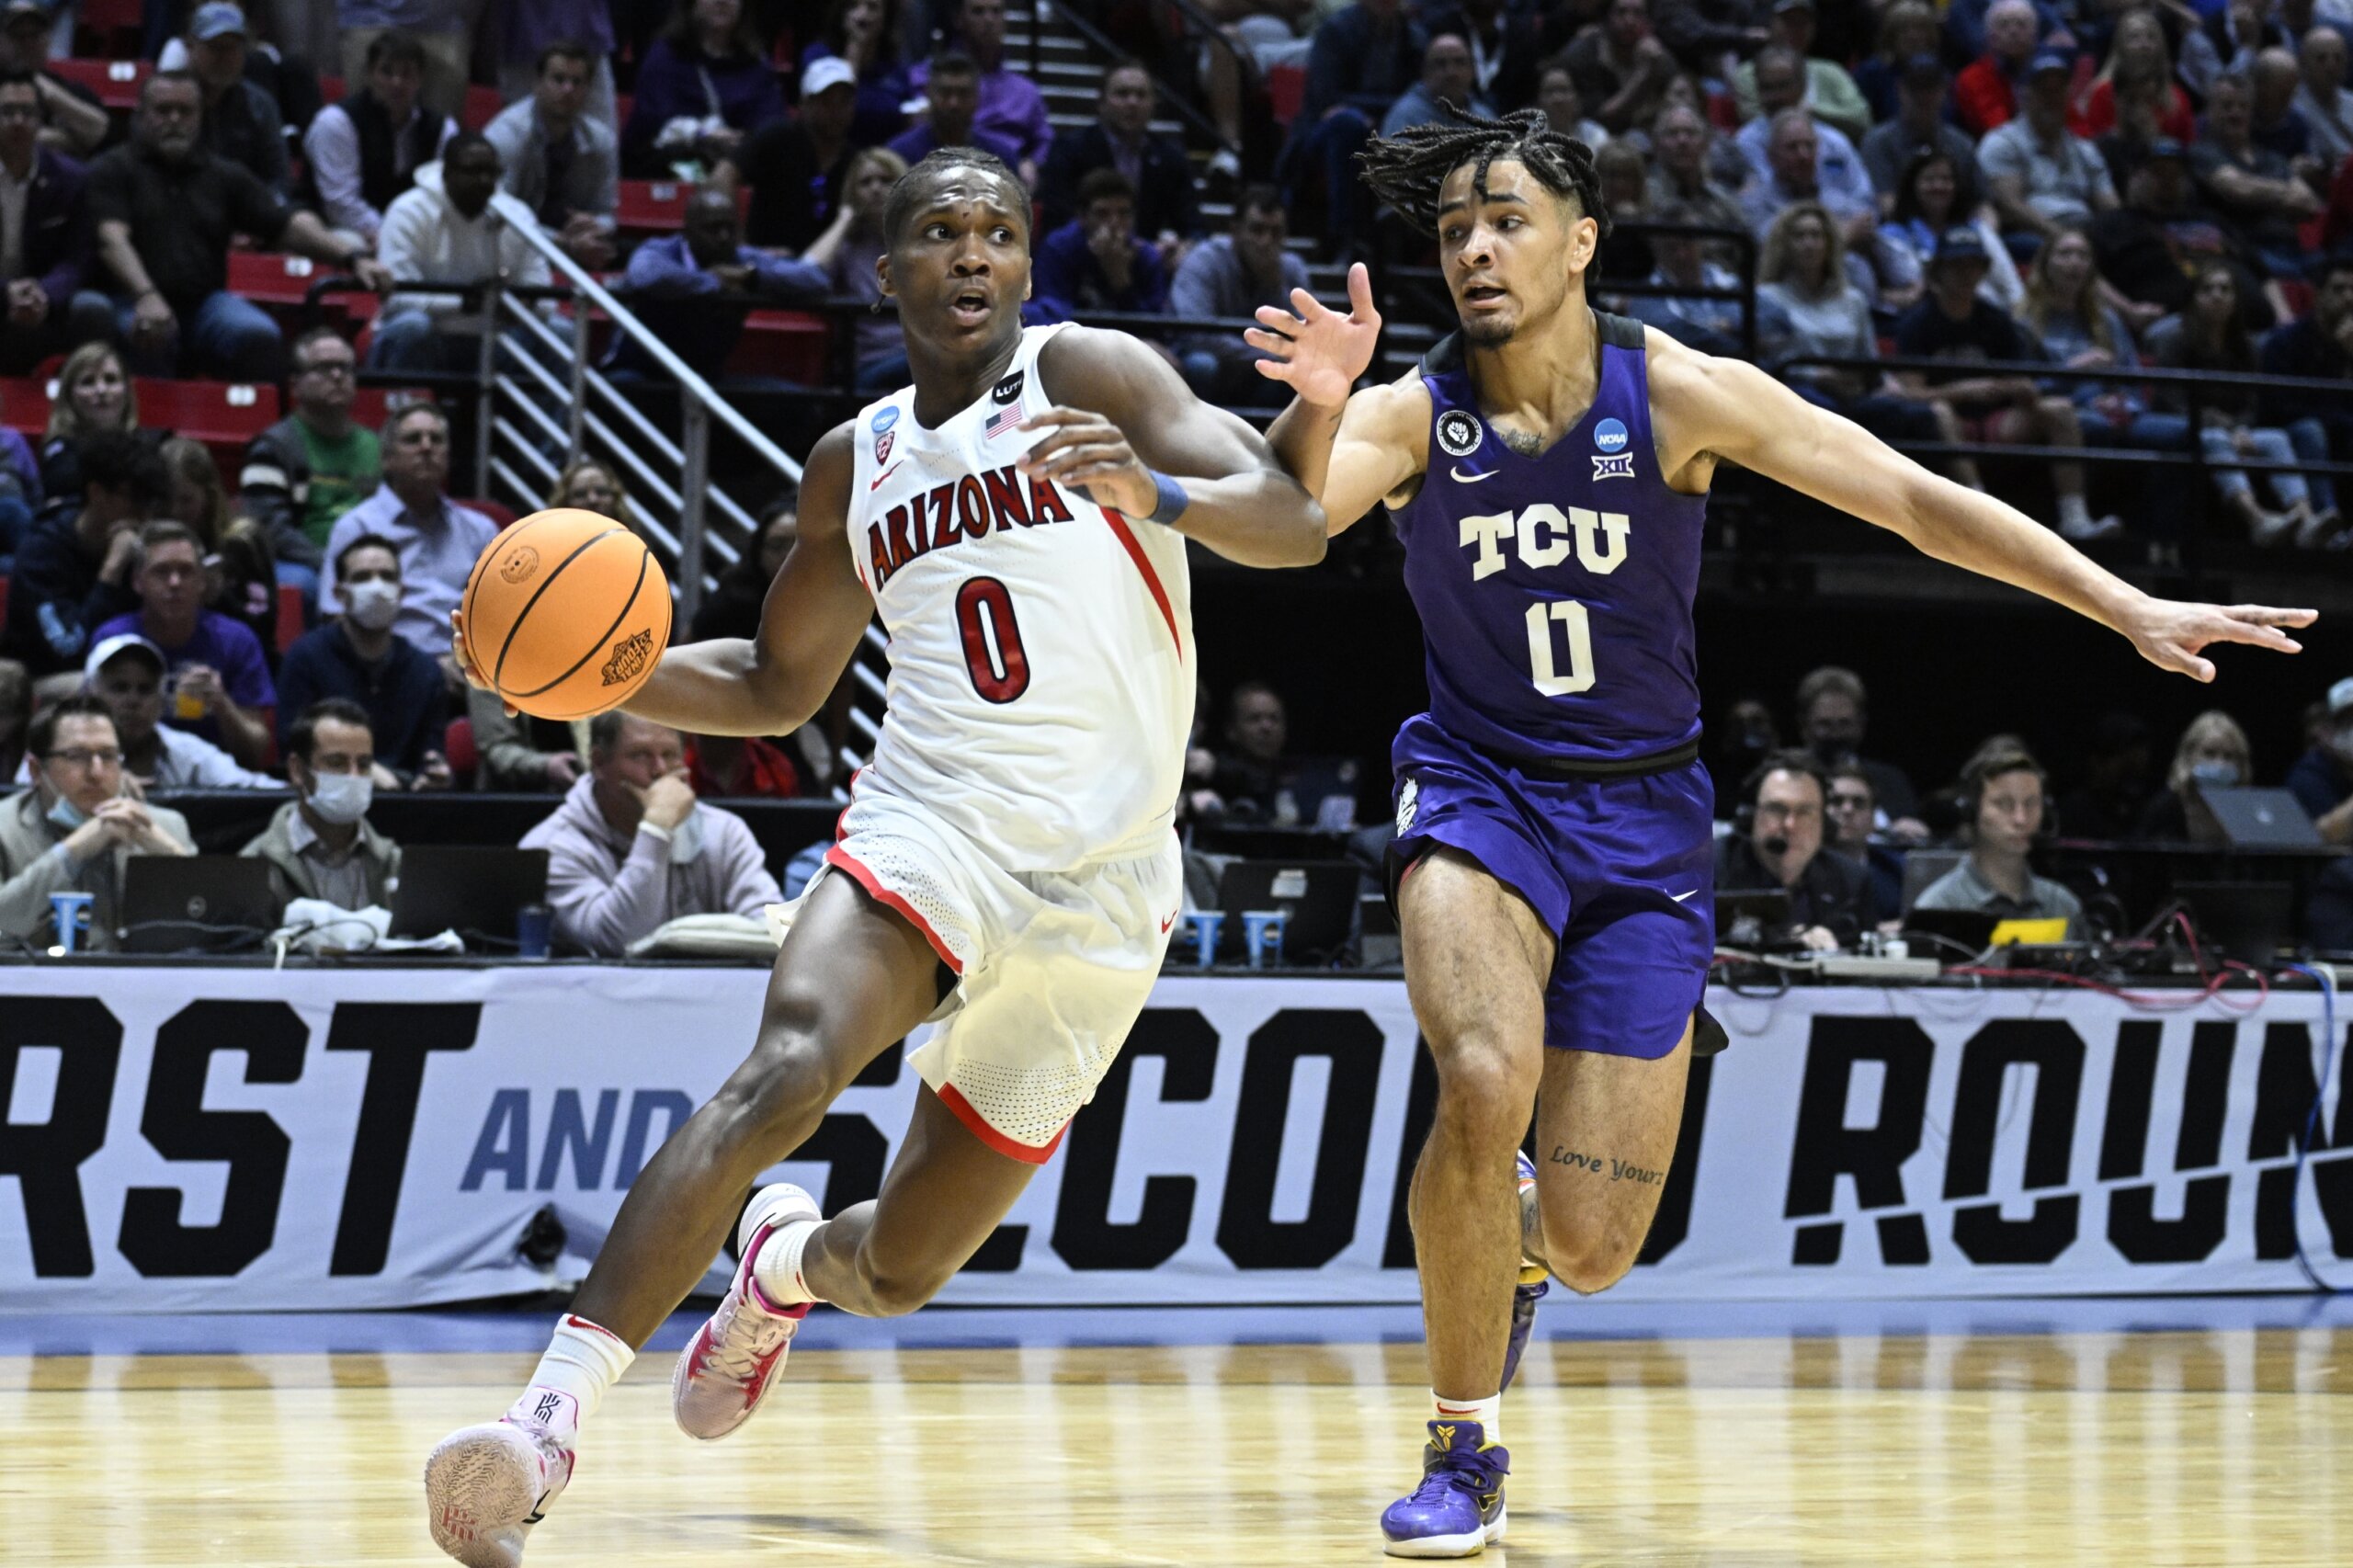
<point>999,423</point>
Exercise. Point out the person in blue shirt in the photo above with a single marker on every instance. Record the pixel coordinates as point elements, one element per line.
<point>356,657</point>
<point>694,289</point>
<point>1095,262</point>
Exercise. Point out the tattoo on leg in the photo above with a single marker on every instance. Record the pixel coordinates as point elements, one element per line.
<point>1603,1164</point>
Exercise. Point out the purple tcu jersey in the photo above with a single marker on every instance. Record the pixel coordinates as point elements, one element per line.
<point>1555,591</point>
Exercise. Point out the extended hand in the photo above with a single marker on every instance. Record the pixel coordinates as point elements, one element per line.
<point>1319,352</point>
<point>2171,635</point>
<point>1089,452</point>
<point>462,656</point>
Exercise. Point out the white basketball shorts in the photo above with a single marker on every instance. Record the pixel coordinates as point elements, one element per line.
<point>1051,967</point>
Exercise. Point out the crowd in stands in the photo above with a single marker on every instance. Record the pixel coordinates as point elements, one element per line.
<point>2086,186</point>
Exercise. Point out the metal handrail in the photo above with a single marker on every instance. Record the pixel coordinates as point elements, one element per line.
<point>1084,26</point>
<point>521,218</point>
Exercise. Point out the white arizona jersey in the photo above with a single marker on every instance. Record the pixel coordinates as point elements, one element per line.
<point>1041,646</point>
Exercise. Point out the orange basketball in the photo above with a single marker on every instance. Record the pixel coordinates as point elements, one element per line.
<point>566,614</point>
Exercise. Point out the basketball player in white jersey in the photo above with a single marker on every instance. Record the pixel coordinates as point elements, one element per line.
<point>1006,870</point>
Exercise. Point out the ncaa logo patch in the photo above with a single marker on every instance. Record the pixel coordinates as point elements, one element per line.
<point>1405,803</point>
<point>1620,467</point>
<point>885,417</point>
<point>1458,432</point>
<point>1609,436</point>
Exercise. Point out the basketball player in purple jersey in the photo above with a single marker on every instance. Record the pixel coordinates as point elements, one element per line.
<point>1548,469</point>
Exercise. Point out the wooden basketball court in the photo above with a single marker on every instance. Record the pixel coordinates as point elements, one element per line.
<point>2231,1446</point>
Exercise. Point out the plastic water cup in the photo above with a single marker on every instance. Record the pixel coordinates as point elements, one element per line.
<point>534,925</point>
<point>1207,922</point>
<point>71,912</point>
<point>1262,930</point>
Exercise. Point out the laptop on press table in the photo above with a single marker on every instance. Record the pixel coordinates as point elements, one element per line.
<point>2262,819</point>
<point>1317,898</point>
<point>196,903</point>
<point>472,890</point>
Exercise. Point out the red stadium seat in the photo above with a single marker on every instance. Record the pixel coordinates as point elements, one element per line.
<point>269,278</point>
<point>622,103</point>
<point>790,344</point>
<point>24,405</point>
<point>482,107</point>
<point>331,90</point>
<point>653,206</point>
<point>1286,90</point>
<point>224,415</point>
<point>290,615</point>
<point>116,82</point>
<point>496,511</point>
<point>4,606</point>
<point>458,748</point>
<point>372,407</point>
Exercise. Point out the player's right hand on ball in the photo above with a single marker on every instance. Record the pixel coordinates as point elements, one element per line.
<point>1318,352</point>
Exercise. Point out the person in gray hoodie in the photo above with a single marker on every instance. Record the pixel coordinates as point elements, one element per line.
<point>632,848</point>
<point>442,231</point>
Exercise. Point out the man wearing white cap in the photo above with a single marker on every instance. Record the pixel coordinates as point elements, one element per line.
<point>74,829</point>
<point>241,121</point>
<point>795,166</point>
<point>125,673</point>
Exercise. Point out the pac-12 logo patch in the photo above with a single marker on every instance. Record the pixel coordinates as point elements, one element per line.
<point>1458,432</point>
<point>882,447</point>
<point>1405,803</point>
<point>1009,389</point>
<point>1609,436</point>
<point>884,419</point>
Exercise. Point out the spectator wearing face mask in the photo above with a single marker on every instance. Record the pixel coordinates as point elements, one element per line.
<point>321,844</point>
<point>76,826</point>
<point>2213,754</point>
<point>357,659</point>
<point>1830,895</point>
<point>125,673</point>
<point>631,849</point>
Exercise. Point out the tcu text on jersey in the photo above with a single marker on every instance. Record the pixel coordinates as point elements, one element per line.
<point>961,510</point>
<point>1544,534</point>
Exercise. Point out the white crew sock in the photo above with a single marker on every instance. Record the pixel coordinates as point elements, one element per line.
<point>2073,513</point>
<point>1488,1412</point>
<point>776,1264</point>
<point>581,1361</point>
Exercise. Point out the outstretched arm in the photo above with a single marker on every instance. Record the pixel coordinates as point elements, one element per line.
<point>1122,411</point>
<point>1707,407</point>
<point>1348,450</point>
<point>816,611</point>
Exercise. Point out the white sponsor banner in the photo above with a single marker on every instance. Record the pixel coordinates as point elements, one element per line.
<point>184,1139</point>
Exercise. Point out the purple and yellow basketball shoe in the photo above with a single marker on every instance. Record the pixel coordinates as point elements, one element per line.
<point>1458,1507</point>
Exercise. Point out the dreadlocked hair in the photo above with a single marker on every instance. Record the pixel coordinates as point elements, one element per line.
<point>900,204</point>
<point>1406,170</point>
